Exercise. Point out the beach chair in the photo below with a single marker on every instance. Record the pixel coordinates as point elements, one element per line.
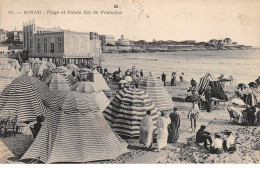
<point>233,116</point>
<point>8,124</point>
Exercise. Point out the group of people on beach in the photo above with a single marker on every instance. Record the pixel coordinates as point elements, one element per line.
<point>173,78</point>
<point>167,127</point>
<point>217,143</point>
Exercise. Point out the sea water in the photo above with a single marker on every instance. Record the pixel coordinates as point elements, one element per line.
<point>243,65</point>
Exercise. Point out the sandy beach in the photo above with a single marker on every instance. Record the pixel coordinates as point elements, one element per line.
<point>185,150</point>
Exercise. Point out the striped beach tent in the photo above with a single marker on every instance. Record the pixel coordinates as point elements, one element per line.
<point>98,79</point>
<point>90,88</point>
<point>5,153</point>
<point>217,90</point>
<point>58,80</point>
<point>126,110</point>
<point>204,81</point>
<point>76,132</point>
<point>156,91</point>
<point>22,100</point>
<point>41,87</point>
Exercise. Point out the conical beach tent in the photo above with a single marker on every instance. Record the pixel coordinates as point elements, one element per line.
<point>22,100</point>
<point>75,132</point>
<point>57,80</point>
<point>5,153</point>
<point>41,87</point>
<point>98,95</point>
<point>156,91</point>
<point>98,79</point>
<point>126,110</point>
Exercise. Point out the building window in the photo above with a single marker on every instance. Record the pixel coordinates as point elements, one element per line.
<point>59,47</point>
<point>59,39</point>
<point>38,47</point>
<point>52,47</point>
<point>45,45</point>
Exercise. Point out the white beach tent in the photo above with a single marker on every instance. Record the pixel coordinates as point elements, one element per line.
<point>98,79</point>
<point>90,88</point>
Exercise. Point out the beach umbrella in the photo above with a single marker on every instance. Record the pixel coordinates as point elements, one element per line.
<point>22,100</point>
<point>75,132</point>
<point>5,153</point>
<point>252,85</point>
<point>122,81</point>
<point>25,69</point>
<point>14,63</point>
<point>40,68</point>
<point>98,79</point>
<point>156,91</point>
<point>72,66</point>
<point>126,111</point>
<point>128,78</point>
<point>50,65</point>
<point>238,102</point>
<point>41,87</point>
<point>58,81</point>
<point>97,94</point>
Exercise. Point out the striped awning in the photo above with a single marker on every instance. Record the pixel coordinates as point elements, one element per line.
<point>204,81</point>
<point>156,91</point>
<point>58,81</point>
<point>90,88</point>
<point>76,133</point>
<point>126,110</point>
<point>22,100</point>
<point>41,87</point>
<point>5,153</point>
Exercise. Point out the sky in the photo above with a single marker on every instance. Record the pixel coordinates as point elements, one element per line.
<point>178,20</point>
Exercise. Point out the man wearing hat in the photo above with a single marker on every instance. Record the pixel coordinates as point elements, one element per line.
<point>217,143</point>
<point>208,98</point>
<point>203,136</point>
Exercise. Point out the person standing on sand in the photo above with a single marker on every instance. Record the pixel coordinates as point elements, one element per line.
<point>193,83</point>
<point>193,115</point>
<point>173,128</point>
<point>163,78</point>
<point>181,77</point>
<point>173,80</point>
<point>141,73</point>
<point>162,130</point>
<point>208,98</point>
<point>146,130</point>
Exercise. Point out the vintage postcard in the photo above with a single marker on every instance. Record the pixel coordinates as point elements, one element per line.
<point>129,82</point>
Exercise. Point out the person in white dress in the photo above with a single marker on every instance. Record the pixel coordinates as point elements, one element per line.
<point>146,130</point>
<point>162,130</point>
